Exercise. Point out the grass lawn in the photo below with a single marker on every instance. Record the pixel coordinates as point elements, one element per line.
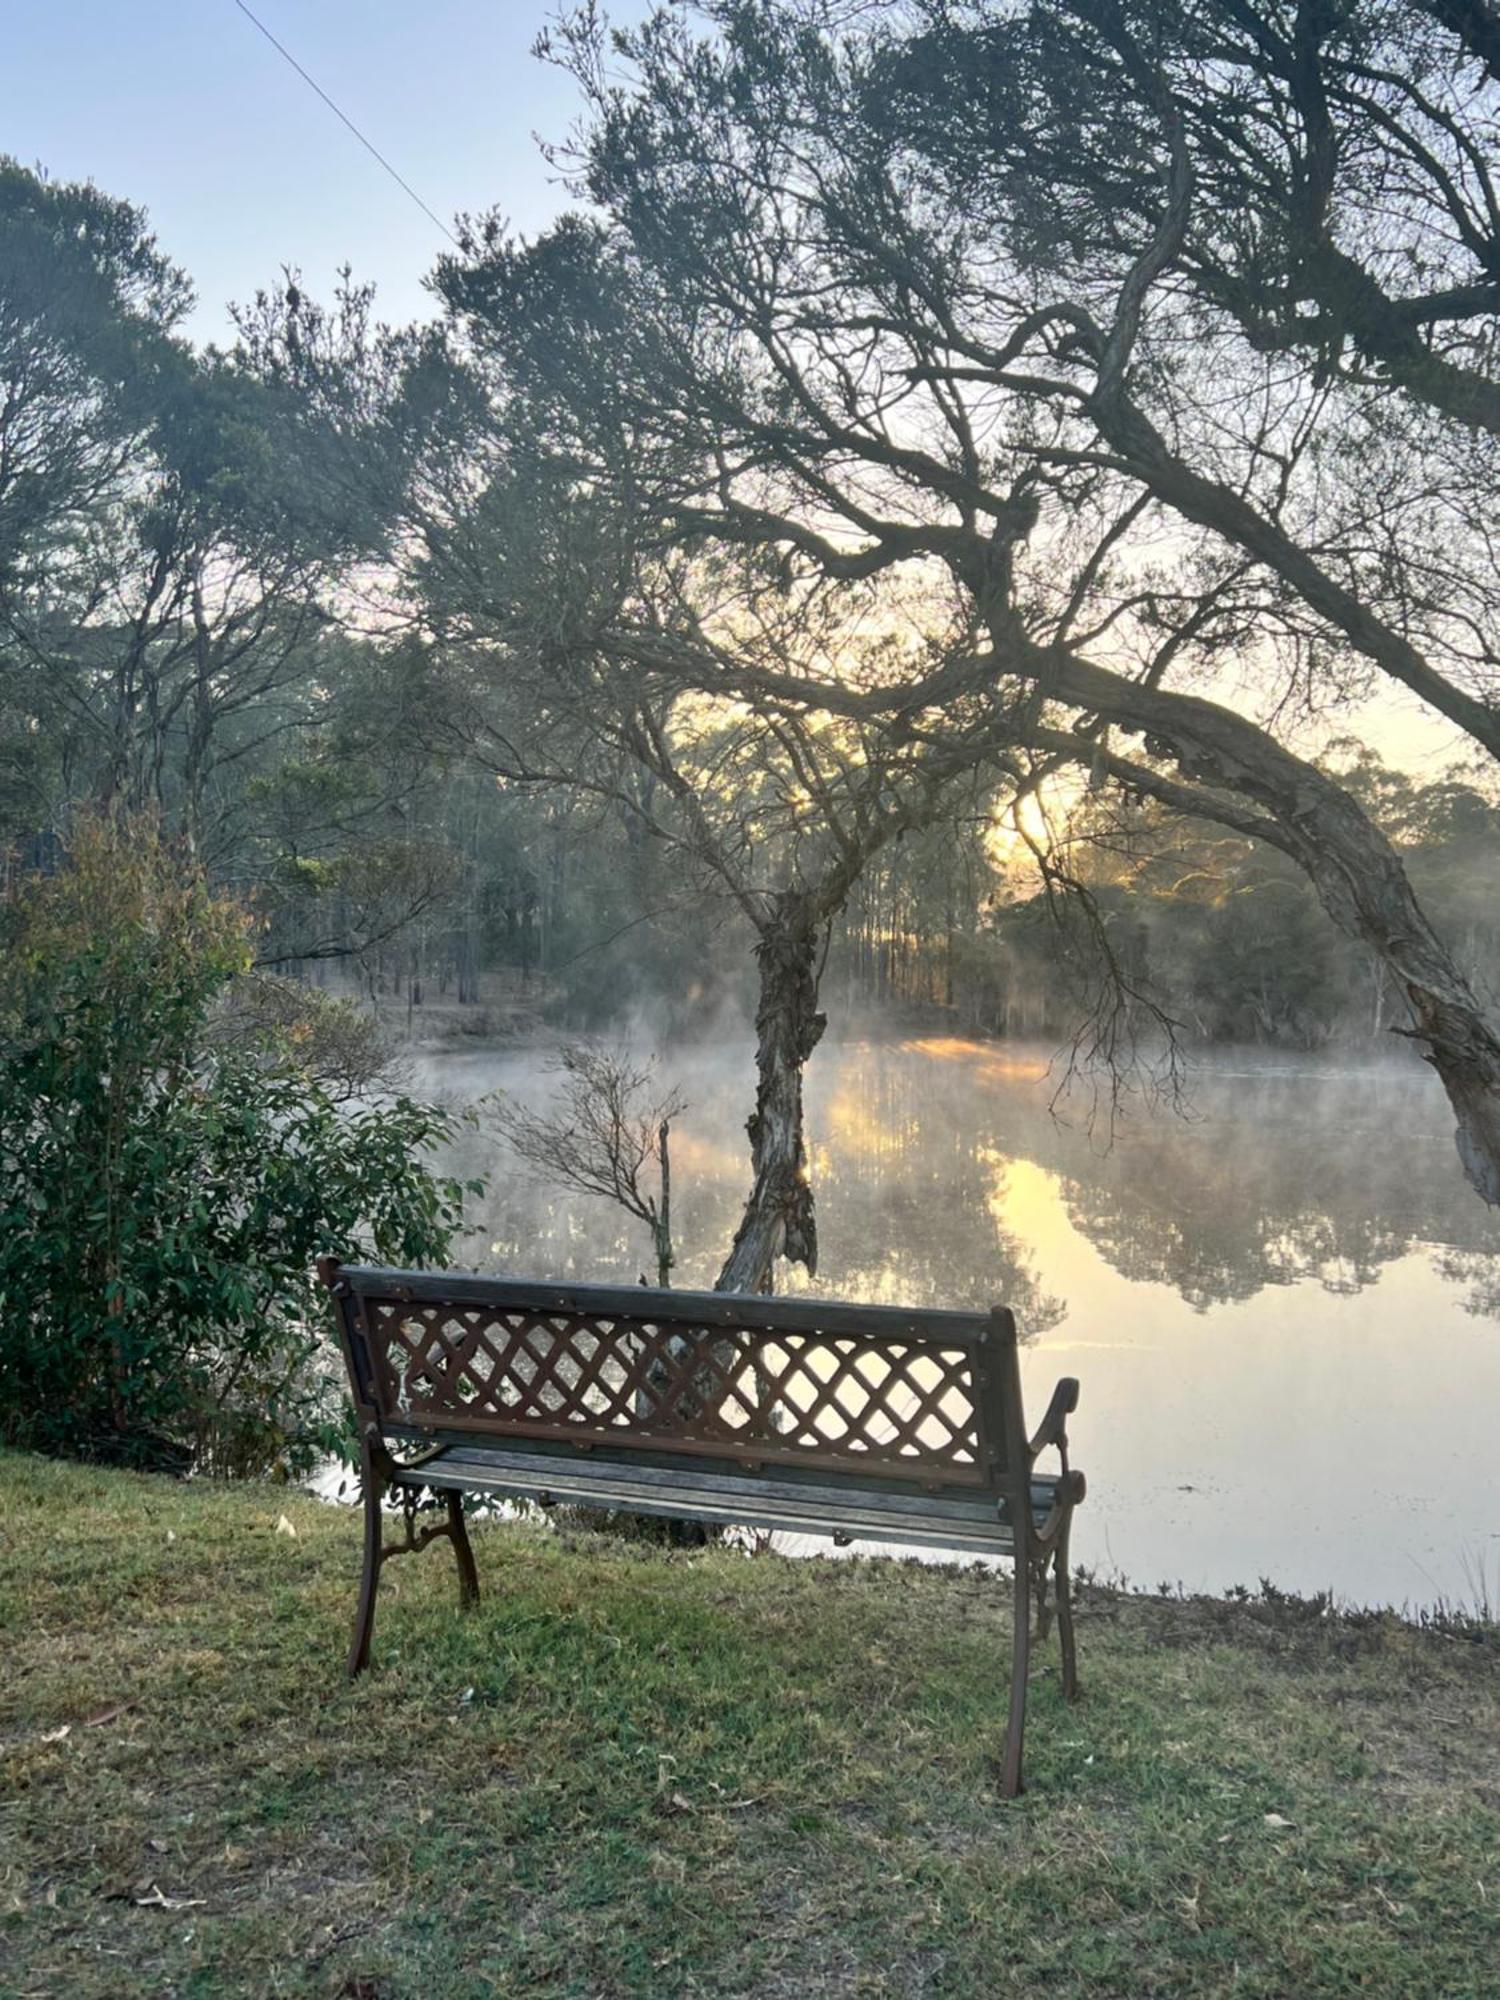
<point>638,1772</point>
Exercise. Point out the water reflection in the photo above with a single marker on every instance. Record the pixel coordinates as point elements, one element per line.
<point>1277,1174</point>
<point>1282,1308</point>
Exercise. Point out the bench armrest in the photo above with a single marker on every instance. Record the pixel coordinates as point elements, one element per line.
<point>1053,1429</point>
<point>1070,1490</point>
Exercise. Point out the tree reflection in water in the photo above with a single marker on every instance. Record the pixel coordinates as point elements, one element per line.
<point>1280,1305</point>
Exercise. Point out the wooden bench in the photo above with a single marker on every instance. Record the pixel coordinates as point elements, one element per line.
<point>857,1422</point>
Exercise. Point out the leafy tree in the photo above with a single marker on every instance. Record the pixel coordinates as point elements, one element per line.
<point>172,526</point>
<point>584,656</point>
<point>165,1187</point>
<point>845,316</point>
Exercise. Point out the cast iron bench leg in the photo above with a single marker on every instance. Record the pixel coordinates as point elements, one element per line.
<point>1065,1620</point>
<point>1010,1776</point>
<point>369,1583</point>
<point>1043,1592</point>
<point>458,1534</point>
<point>454,1531</point>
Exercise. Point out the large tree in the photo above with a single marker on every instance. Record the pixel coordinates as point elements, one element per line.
<point>851,328</point>
<point>171,520</point>
<point>581,653</point>
<point>177,534</point>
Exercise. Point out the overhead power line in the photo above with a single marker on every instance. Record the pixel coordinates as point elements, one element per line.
<point>373,150</point>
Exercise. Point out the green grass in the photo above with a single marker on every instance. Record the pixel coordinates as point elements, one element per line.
<point>634,1772</point>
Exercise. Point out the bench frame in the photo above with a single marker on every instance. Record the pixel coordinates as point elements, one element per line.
<point>679,1404</point>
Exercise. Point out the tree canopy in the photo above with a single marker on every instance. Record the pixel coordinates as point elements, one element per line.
<point>934,407</point>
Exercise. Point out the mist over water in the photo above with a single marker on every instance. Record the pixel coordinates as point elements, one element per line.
<point>1284,1309</point>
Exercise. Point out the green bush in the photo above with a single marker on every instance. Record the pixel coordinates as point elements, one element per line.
<point>163,1193</point>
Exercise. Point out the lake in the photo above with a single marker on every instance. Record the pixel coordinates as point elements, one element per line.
<point>1284,1306</point>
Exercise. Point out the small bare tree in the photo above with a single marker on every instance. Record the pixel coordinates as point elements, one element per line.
<point>608,1134</point>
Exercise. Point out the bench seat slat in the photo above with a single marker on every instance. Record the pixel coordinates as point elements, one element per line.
<point>561,1469</point>
<point>649,1465</point>
<point>948,1520</point>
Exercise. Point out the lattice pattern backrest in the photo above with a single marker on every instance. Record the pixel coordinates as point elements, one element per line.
<point>878,1404</point>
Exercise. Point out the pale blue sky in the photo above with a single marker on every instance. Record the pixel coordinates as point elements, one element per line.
<point>181,106</point>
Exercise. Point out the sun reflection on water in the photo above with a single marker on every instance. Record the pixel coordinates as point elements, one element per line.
<point>1267,1306</point>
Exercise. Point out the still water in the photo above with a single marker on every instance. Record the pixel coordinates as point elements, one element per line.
<point>1284,1307</point>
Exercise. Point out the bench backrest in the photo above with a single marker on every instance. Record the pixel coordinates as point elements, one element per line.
<point>853,1392</point>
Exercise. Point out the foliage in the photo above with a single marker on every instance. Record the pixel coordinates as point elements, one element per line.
<point>936,399</point>
<point>165,1188</point>
<point>175,535</point>
<point>335,1041</point>
<point>1223,931</point>
<point>1132,543</point>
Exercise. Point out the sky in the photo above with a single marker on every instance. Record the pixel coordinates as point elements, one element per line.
<point>184,108</point>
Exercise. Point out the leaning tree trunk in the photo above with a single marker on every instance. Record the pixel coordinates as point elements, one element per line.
<point>778,1219</point>
<point>1466,1055</point>
<point>1356,872</point>
<point>1361,883</point>
<point>1363,886</point>
<point>1370,899</point>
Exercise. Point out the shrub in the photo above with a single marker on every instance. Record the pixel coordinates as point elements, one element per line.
<point>163,1192</point>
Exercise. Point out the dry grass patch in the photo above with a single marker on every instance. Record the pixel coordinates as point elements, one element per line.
<point>638,1772</point>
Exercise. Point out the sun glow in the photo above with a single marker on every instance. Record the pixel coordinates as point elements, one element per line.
<point>1016,827</point>
<point>988,1061</point>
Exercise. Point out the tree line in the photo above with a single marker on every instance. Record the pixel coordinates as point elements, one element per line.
<point>931,411</point>
<point>1224,930</point>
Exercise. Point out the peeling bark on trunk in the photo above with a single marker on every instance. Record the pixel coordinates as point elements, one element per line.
<point>778,1220</point>
<point>1467,1058</point>
<point>1368,897</point>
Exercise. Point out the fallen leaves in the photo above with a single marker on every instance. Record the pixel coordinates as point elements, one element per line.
<point>108,1715</point>
<point>727,1804</point>
<point>61,1731</point>
<point>672,1799</point>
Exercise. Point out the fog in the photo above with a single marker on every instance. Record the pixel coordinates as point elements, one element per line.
<point>1281,1306</point>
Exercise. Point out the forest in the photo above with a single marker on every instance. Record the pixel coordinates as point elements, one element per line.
<point>921,536</point>
<point>212,604</point>
<point>798,856</point>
